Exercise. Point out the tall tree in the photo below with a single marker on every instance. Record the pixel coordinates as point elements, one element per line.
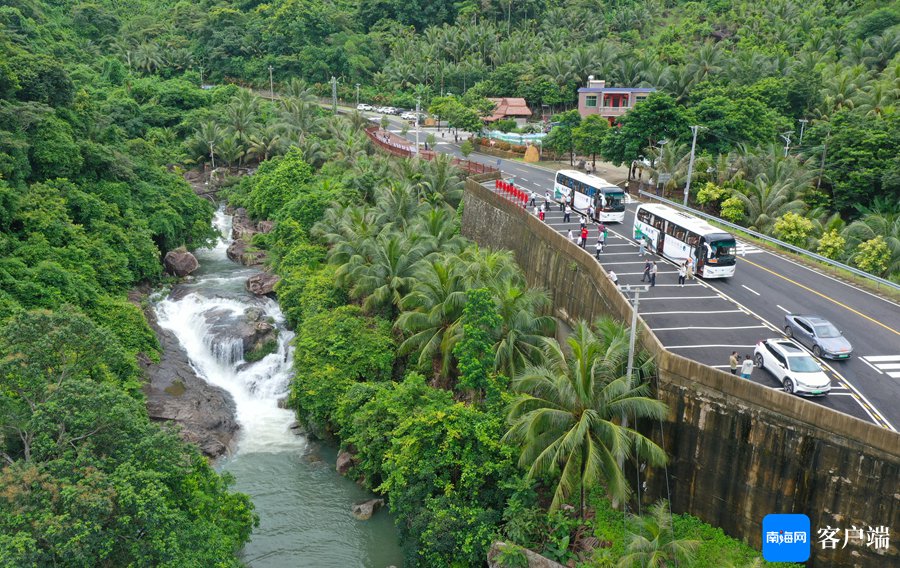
<point>590,135</point>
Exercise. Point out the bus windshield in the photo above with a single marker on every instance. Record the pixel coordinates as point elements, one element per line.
<point>723,250</point>
<point>615,200</point>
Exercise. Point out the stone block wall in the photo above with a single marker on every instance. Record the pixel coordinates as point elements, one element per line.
<point>738,450</point>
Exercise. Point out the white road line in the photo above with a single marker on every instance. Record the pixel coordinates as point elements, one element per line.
<point>832,393</point>
<point>639,273</point>
<point>704,327</point>
<point>700,346</point>
<point>679,298</point>
<point>692,313</point>
<point>878,358</point>
<point>783,309</point>
<point>671,285</point>
<point>523,179</point>
<point>874,368</point>
<point>889,366</point>
<point>750,289</point>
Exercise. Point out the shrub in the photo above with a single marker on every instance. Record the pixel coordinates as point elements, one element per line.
<point>733,209</point>
<point>831,245</point>
<point>793,229</point>
<point>873,256</point>
<point>518,148</point>
<point>503,145</point>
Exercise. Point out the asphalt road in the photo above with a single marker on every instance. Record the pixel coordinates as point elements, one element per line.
<point>706,320</point>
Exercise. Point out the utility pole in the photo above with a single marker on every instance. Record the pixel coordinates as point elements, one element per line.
<point>418,102</point>
<point>508,16</point>
<point>357,94</point>
<point>822,167</point>
<point>333,94</point>
<point>803,122</point>
<point>687,187</point>
<point>201,76</point>
<point>787,142</point>
<point>629,373</point>
<point>271,85</point>
<point>212,156</point>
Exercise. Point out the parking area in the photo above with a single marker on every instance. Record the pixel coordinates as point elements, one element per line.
<point>694,320</point>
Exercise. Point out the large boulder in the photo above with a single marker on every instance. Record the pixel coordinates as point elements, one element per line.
<point>242,252</point>
<point>245,336</point>
<point>242,227</point>
<point>263,284</point>
<point>364,511</point>
<point>345,461</point>
<point>180,263</point>
<point>175,394</point>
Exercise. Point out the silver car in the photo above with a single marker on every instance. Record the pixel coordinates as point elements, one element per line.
<point>819,335</point>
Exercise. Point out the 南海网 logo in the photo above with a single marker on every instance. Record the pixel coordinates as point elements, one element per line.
<point>786,538</point>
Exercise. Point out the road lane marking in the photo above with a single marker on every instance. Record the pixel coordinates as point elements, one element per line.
<point>691,312</point>
<point>751,289</point>
<point>785,310</point>
<point>830,299</point>
<point>881,358</point>
<point>679,298</point>
<point>863,359</point>
<point>705,327</point>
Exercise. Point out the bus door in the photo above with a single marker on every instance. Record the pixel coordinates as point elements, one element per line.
<point>700,254</point>
<point>661,239</point>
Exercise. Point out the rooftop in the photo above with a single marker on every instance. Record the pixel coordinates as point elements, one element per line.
<point>616,90</point>
<point>508,106</point>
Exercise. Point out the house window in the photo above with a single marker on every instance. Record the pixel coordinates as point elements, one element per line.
<point>590,101</point>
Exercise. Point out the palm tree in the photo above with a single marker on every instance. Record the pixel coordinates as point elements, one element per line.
<point>438,230</point>
<point>385,275</point>
<point>202,144</point>
<point>876,99</point>
<point>431,315</point>
<point>148,57</point>
<point>706,61</point>
<point>567,417</point>
<point>881,218</point>
<point>348,230</point>
<point>264,143</point>
<point>652,542</point>
<point>230,150</point>
<point>485,266</point>
<point>299,91</point>
<point>240,114</point>
<point>396,204</point>
<point>441,181</point>
<point>524,326</point>
<point>765,200</point>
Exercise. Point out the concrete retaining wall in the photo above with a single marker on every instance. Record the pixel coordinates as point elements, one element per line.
<point>738,450</point>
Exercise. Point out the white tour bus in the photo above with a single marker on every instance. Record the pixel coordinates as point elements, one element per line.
<point>677,236</point>
<point>581,190</point>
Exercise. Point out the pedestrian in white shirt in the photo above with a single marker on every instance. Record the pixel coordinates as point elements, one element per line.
<point>746,367</point>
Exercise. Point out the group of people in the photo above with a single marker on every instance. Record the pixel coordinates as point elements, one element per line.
<point>734,361</point>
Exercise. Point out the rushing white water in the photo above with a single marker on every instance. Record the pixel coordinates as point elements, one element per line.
<point>304,506</point>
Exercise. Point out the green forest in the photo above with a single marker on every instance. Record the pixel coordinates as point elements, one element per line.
<point>746,72</point>
<point>437,362</point>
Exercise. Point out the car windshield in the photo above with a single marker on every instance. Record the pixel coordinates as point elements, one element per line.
<point>723,249</point>
<point>803,364</point>
<point>827,331</point>
<point>614,201</point>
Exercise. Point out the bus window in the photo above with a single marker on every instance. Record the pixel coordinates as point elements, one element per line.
<point>670,229</point>
<point>680,234</point>
<point>644,216</point>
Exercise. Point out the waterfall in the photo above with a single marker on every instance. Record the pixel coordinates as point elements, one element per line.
<point>201,317</point>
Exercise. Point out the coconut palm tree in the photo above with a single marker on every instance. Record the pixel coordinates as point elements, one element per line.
<point>438,230</point>
<point>880,50</point>
<point>485,266</point>
<point>264,142</point>
<point>385,274</point>
<point>524,326</point>
<point>766,199</point>
<point>567,417</point>
<point>229,150</point>
<point>441,181</point>
<point>431,312</point>
<point>349,231</point>
<point>148,57</point>
<point>396,204</point>
<point>652,542</point>
<point>876,99</point>
<point>881,218</point>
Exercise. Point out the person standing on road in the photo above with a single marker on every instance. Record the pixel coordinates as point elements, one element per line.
<point>563,203</point>
<point>590,212</point>
<point>584,235</point>
<point>653,271</point>
<point>541,215</point>
<point>567,214</point>
<point>537,211</point>
<point>733,362</point>
<point>746,367</point>
<point>689,268</point>
<point>642,249</point>
<point>646,276</point>
<point>682,272</point>
<point>571,236</point>
<point>598,248</point>
<point>613,277</point>
<point>533,195</point>
<point>583,222</point>
<point>547,200</point>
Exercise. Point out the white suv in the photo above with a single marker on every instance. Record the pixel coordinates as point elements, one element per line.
<point>795,368</point>
<point>363,106</point>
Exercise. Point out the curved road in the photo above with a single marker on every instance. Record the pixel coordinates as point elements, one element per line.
<point>706,320</point>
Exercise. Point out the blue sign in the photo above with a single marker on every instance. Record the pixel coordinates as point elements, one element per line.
<point>786,538</point>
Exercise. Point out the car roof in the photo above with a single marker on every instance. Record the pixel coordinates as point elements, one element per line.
<point>787,346</point>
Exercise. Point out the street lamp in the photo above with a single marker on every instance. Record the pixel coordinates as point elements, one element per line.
<point>803,122</point>
<point>629,373</point>
<point>418,102</point>
<point>357,94</point>
<point>787,142</point>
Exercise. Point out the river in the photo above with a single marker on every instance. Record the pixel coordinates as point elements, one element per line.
<point>303,504</point>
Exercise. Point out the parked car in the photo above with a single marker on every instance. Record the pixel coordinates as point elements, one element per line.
<point>797,371</point>
<point>819,335</point>
<point>363,106</point>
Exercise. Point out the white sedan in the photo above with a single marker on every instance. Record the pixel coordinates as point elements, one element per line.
<point>797,371</point>
<point>363,106</point>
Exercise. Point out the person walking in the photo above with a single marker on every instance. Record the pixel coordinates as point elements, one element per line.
<point>598,248</point>
<point>567,214</point>
<point>541,215</point>
<point>746,367</point>
<point>563,203</point>
<point>584,235</point>
<point>546,200</point>
<point>536,211</point>
<point>590,211</point>
<point>646,276</point>
<point>733,362</point>
<point>571,236</point>
<point>601,235</point>
<point>682,272</point>
<point>613,277</point>
<point>533,195</point>
<point>689,268</point>
<point>643,247</point>
<point>653,271</point>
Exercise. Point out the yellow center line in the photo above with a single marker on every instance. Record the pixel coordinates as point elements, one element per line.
<point>876,322</point>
